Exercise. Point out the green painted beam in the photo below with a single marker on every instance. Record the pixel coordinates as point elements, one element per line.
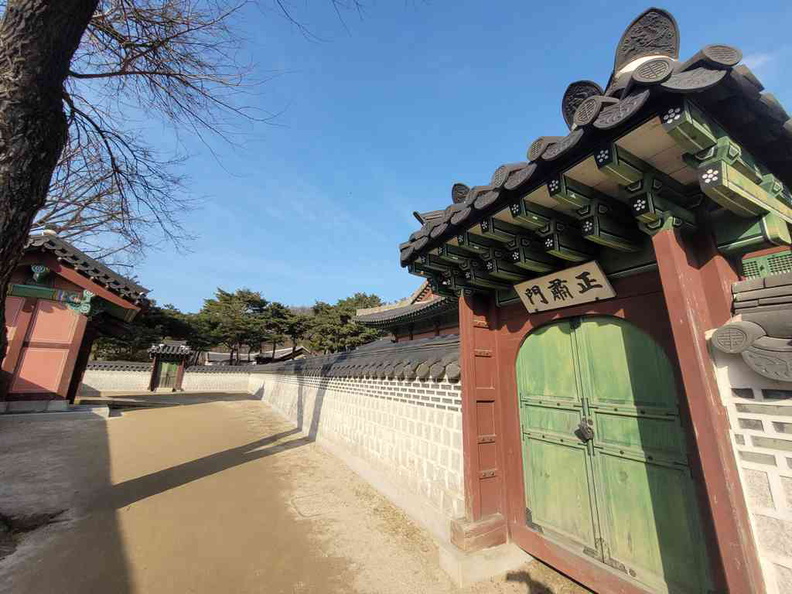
<point>728,174</point>
<point>434,262</point>
<point>740,194</point>
<point>476,244</point>
<point>735,235</point>
<point>459,284</point>
<point>687,125</point>
<point>482,279</point>
<point>620,264</point>
<point>571,194</point>
<point>619,165</point>
<point>500,269</point>
<point>563,240</point>
<point>606,224</point>
<point>43,292</point>
<point>452,254</point>
<point>500,231</point>
<point>529,215</point>
<point>530,255</point>
<point>653,197</point>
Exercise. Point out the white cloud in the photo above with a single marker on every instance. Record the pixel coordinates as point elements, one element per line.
<point>756,61</point>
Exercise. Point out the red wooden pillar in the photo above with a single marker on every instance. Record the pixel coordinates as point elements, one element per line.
<point>154,374</point>
<point>180,375</point>
<point>485,524</point>
<point>695,285</point>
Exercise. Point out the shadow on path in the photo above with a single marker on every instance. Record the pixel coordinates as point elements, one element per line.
<point>128,492</point>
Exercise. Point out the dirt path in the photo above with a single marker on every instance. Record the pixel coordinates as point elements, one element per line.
<point>209,498</point>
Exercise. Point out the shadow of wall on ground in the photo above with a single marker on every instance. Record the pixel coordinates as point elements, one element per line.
<point>133,490</point>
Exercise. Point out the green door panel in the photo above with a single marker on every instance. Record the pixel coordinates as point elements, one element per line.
<point>559,489</point>
<point>546,366</point>
<point>167,376</point>
<point>649,523</point>
<point>546,421</point>
<point>654,438</point>
<point>624,367</point>
<point>626,495</point>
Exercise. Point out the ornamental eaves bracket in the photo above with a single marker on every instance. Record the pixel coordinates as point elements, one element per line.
<point>727,173</point>
<point>655,200</point>
<point>87,305</point>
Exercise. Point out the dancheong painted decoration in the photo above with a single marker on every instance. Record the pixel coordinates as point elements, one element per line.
<point>592,279</point>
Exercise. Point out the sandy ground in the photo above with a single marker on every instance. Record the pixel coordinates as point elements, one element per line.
<point>220,497</point>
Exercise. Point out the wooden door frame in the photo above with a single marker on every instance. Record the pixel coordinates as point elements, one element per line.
<point>154,379</point>
<point>642,301</point>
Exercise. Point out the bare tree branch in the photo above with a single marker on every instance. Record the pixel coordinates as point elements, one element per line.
<point>176,59</point>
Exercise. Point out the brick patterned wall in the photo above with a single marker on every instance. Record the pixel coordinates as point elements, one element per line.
<point>410,430</point>
<point>215,382</point>
<point>760,416</point>
<point>96,381</point>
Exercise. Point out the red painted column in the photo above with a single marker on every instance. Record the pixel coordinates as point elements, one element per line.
<point>485,524</point>
<point>693,284</point>
<point>180,375</point>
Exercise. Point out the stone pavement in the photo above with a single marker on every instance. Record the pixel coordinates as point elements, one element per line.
<point>206,498</point>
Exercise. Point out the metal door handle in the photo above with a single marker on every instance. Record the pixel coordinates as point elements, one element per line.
<point>584,430</point>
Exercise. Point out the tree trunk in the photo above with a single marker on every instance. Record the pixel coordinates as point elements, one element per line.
<point>38,39</point>
<point>274,344</point>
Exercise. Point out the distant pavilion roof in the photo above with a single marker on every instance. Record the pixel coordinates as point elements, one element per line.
<point>413,312</point>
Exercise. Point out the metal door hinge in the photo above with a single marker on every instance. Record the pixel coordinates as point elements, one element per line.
<point>592,553</point>
<point>530,523</point>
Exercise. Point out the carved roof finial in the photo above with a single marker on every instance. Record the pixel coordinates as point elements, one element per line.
<point>459,192</point>
<point>653,33</point>
<point>575,94</point>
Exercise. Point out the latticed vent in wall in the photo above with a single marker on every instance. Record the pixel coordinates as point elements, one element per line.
<point>767,265</point>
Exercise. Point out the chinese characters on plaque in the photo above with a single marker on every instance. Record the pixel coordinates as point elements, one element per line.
<point>572,286</point>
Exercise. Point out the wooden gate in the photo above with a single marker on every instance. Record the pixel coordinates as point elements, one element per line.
<point>168,371</point>
<point>605,459</point>
<point>44,338</point>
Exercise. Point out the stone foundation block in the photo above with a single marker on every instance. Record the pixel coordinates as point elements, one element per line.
<point>468,568</point>
<point>475,536</point>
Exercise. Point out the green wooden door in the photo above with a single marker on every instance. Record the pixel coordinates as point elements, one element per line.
<point>606,466</point>
<point>167,375</point>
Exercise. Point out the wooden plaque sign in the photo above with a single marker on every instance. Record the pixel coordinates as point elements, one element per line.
<point>573,286</point>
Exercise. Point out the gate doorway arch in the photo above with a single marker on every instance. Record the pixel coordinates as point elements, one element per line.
<point>605,458</point>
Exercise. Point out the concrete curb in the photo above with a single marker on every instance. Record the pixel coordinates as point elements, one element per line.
<point>74,412</point>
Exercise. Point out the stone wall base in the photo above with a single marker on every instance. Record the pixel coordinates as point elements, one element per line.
<point>475,536</point>
<point>467,568</point>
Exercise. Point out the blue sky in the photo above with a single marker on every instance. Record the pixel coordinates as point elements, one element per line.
<point>381,117</point>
